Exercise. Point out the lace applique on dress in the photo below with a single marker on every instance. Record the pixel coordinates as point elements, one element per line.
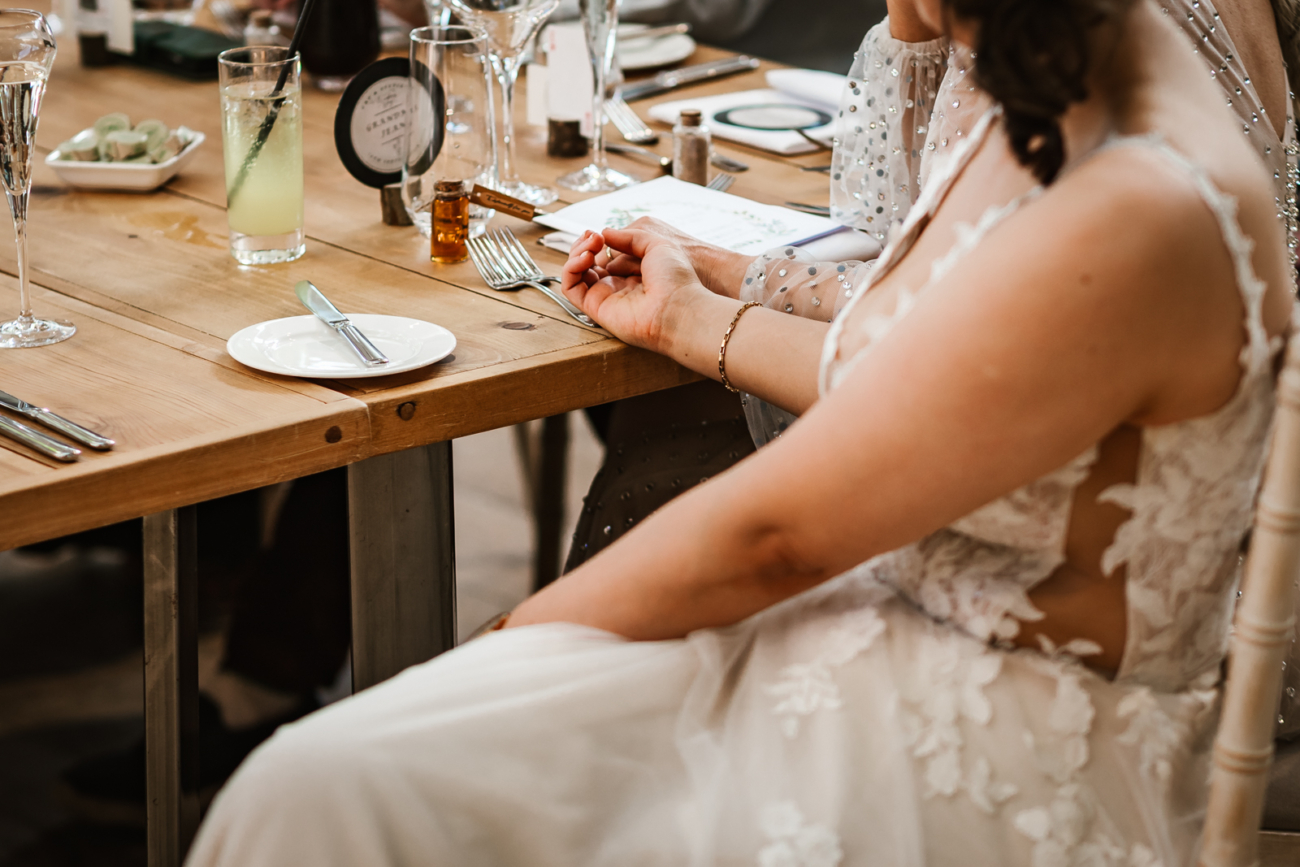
<point>807,687</point>
<point>1159,737</point>
<point>1072,832</point>
<point>949,689</point>
<point>795,842</point>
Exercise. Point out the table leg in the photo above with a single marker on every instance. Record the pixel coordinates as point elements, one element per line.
<point>548,500</point>
<point>171,674</point>
<point>403,557</point>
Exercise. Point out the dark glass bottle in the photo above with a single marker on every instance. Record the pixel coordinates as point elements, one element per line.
<point>341,39</point>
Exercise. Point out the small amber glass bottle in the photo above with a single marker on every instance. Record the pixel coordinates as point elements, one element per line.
<point>450,222</point>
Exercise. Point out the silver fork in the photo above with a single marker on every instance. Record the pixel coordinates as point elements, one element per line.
<point>721,183</point>
<point>629,122</point>
<point>505,265</point>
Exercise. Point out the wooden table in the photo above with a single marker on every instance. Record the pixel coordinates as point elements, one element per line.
<point>154,293</point>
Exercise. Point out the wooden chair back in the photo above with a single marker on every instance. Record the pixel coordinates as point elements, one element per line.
<point>1263,628</point>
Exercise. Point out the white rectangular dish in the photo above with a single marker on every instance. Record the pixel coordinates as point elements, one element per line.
<point>136,177</point>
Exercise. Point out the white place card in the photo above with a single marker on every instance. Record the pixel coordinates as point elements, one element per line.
<point>720,218</point>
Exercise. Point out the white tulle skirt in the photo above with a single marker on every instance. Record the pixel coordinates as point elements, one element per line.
<point>842,727</point>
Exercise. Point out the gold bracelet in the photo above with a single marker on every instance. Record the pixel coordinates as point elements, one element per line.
<point>726,338</point>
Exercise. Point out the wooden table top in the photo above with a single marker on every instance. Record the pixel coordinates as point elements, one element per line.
<point>155,295</point>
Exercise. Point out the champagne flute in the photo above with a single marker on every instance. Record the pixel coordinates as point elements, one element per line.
<point>509,25</point>
<point>26,57</point>
<point>600,24</point>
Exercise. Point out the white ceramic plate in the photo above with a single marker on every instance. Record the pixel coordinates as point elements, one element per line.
<point>122,176</point>
<point>305,346</point>
<point>634,54</point>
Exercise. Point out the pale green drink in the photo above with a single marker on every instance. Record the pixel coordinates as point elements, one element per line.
<point>264,197</point>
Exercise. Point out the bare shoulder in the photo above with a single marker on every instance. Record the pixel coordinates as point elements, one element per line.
<point>1127,253</point>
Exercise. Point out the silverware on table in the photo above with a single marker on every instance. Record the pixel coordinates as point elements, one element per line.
<point>665,163</point>
<point>32,438</point>
<point>672,78</point>
<point>821,145</point>
<point>505,265</point>
<point>326,312</point>
<point>727,164</point>
<point>721,182</point>
<point>629,123</point>
<point>653,32</point>
<point>815,210</point>
<point>826,169</point>
<point>70,429</point>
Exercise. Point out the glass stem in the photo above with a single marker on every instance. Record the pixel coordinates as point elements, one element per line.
<point>506,74</point>
<point>599,73</point>
<point>18,207</point>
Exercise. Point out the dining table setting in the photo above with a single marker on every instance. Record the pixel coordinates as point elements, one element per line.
<point>214,297</point>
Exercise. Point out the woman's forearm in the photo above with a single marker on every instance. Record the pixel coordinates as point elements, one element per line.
<point>905,25</point>
<point>772,355</point>
<point>697,565</point>
<point>722,271</point>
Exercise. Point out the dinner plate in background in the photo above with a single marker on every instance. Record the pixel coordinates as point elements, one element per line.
<point>636,54</point>
<point>305,346</point>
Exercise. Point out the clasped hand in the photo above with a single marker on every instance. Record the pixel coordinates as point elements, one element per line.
<point>636,282</point>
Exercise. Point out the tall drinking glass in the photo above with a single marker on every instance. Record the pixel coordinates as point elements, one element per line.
<point>450,134</point>
<point>509,25</point>
<point>261,136</point>
<point>600,24</point>
<point>26,57</point>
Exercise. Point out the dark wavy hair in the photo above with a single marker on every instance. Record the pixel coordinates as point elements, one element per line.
<point>1033,57</point>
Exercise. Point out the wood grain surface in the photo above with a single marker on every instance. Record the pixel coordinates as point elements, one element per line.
<point>155,294</point>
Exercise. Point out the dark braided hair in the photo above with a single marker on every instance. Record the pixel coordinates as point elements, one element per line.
<point>1033,57</point>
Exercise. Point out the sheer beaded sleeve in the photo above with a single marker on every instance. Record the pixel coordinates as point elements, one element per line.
<point>790,280</point>
<point>885,117</point>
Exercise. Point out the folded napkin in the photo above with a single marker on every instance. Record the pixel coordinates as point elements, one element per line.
<point>812,85</point>
<point>795,96</point>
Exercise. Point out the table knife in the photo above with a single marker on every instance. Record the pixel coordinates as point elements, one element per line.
<point>326,312</point>
<point>69,429</point>
<point>46,445</point>
<point>672,78</point>
<point>653,32</point>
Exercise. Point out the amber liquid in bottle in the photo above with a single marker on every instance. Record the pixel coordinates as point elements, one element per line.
<point>450,223</point>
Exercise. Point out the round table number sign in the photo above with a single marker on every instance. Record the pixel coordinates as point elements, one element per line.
<point>373,120</point>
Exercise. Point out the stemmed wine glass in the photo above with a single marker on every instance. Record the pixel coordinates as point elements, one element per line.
<point>509,24</point>
<point>600,24</point>
<point>26,58</point>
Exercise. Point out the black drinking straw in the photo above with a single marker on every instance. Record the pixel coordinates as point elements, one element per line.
<point>265,132</point>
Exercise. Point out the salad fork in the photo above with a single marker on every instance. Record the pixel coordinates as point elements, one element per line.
<point>721,183</point>
<point>505,265</point>
<point>629,123</point>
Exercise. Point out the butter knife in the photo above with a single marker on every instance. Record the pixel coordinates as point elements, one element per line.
<point>326,312</point>
<point>665,81</point>
<point>69,429</point>
<point>46,445</point>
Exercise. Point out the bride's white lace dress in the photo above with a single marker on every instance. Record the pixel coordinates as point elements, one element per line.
<point>879,720</point>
